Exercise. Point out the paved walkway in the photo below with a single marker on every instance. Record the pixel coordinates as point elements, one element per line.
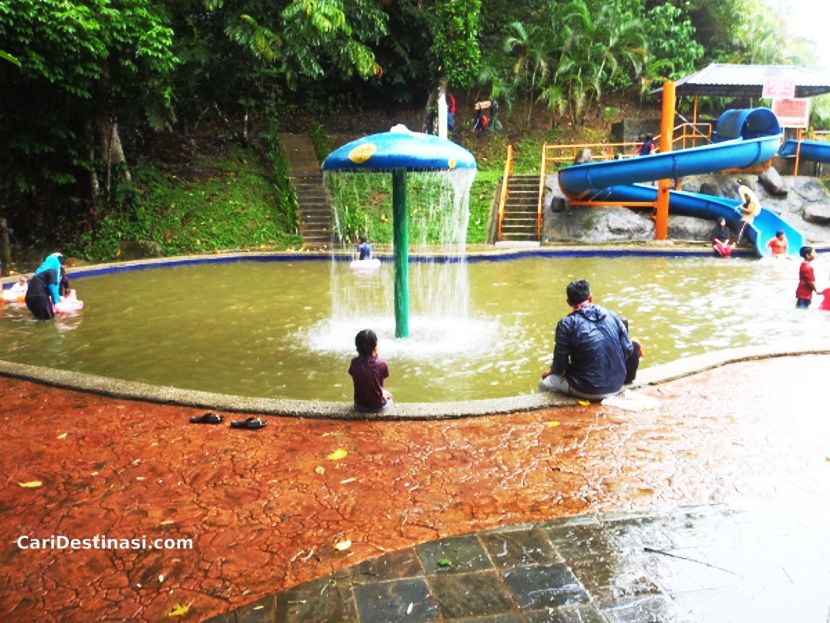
<point>758,562</point>
<point>725,482</point>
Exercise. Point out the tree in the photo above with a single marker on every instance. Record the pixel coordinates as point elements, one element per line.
<point>602,46</point>
<point>84,65</point>
<point>531,60</point>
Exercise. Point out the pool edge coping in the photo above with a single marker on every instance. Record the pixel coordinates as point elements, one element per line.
<point>495,254</point>
<point>133,390</point>
<point>144,392</point>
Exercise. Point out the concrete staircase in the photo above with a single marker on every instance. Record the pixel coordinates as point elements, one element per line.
<point>519,221</point>
<point>313,199</point>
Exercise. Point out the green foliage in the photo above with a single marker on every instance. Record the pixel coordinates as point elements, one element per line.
<point>321,140</point>
<point>80,63</point>
<point>820,113</point>
<point>673,50</point>
<point>455,52</point>
<point>232,205</point>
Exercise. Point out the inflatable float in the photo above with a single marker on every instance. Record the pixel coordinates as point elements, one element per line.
<point>69,305</point>
<point>12,297</point>
<point>365,266</point>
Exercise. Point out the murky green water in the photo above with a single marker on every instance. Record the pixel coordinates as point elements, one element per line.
<point>265,329</point>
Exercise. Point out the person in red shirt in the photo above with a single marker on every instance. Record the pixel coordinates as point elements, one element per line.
<point>450,112</point>
<point>368,371</point>
<point>806,279</point>
<point>778,245</point>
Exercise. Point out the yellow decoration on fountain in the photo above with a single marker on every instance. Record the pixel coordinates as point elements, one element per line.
<point>362,153</point>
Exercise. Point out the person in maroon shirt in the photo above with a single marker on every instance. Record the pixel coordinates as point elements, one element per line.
<point>368,371</point>
<point>806,279</point>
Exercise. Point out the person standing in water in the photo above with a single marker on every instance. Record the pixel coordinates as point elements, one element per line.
<point>43,292</point>
<point>750,207</point>
<point>806,279</point>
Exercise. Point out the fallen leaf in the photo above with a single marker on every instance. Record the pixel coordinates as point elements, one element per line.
<point>31,484</point>
<point>320,470</point>
<point>340,453</point>
<point>62,435</point>
<point>343,545</point>
<point>584,403</point>
<point>553,424</point>
<point>179,610</point>
<point>444,562</point>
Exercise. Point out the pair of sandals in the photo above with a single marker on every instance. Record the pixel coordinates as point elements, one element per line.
<point>251,423</point>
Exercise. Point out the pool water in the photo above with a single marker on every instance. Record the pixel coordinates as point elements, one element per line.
<point>267,329</point>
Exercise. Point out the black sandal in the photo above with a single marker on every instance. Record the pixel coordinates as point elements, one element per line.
<point>252,423</point>
<point>207,418</point>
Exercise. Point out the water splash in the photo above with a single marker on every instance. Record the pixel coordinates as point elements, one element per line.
<point>439,289</point>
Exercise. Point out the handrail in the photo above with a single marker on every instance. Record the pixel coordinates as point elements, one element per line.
<point>541,195</point>
<point>508,170</point>
<point>607,151</point>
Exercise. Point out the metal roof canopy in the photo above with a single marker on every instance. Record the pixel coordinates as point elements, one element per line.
<point>725,80</point>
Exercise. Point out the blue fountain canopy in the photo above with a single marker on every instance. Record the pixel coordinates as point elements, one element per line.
<point>399,148</point>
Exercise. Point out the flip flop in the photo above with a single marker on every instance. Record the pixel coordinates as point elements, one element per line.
<point>252,423</point>
<point>207,418</point>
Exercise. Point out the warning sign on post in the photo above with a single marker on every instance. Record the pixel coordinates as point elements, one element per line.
<point>778,88</point>
<point>792,113</point>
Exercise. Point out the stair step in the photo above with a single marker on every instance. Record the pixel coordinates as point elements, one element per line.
<point>520,221</point>
<point>523,210</point>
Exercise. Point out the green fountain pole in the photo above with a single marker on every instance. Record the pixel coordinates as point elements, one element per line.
<point>400,244</point>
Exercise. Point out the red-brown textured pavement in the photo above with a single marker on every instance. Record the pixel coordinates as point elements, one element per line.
<point>266,508</point>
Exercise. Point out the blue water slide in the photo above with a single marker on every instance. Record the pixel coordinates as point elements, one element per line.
<point>815,151</point>
<point>745,137</point>
<point>711,207</point>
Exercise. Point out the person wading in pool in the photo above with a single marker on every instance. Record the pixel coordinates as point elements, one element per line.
<point>43,293</point>
<point>591,349</point>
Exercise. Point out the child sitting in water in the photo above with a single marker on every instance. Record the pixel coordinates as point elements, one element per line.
<point>18,291</point>
<point>364,249</point>
<point>778,245</point>
<point>368,371</point>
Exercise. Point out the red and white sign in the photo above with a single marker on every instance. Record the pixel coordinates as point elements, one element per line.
<point>792,113</point>
<point>778,88</point>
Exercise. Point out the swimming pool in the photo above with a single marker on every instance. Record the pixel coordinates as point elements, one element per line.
<point>267,328</point>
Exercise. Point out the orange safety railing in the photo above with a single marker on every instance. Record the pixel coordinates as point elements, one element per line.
<point>691,135</point>
<point>541,195</point>
<point>686,135</point>
<point>508,170</point>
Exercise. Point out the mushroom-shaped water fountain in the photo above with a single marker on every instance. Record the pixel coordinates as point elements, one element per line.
<point>399,151</point>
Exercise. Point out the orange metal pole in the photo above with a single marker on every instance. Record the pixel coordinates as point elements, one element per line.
<point>797,151</point>
<point>661,223</point>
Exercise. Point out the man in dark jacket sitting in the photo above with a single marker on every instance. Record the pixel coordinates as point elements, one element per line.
<point>591,349</point>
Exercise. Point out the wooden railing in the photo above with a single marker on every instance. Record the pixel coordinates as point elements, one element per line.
<point>508,171</point>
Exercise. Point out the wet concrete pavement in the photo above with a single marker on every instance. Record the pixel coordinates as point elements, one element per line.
<point>727,480</point>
